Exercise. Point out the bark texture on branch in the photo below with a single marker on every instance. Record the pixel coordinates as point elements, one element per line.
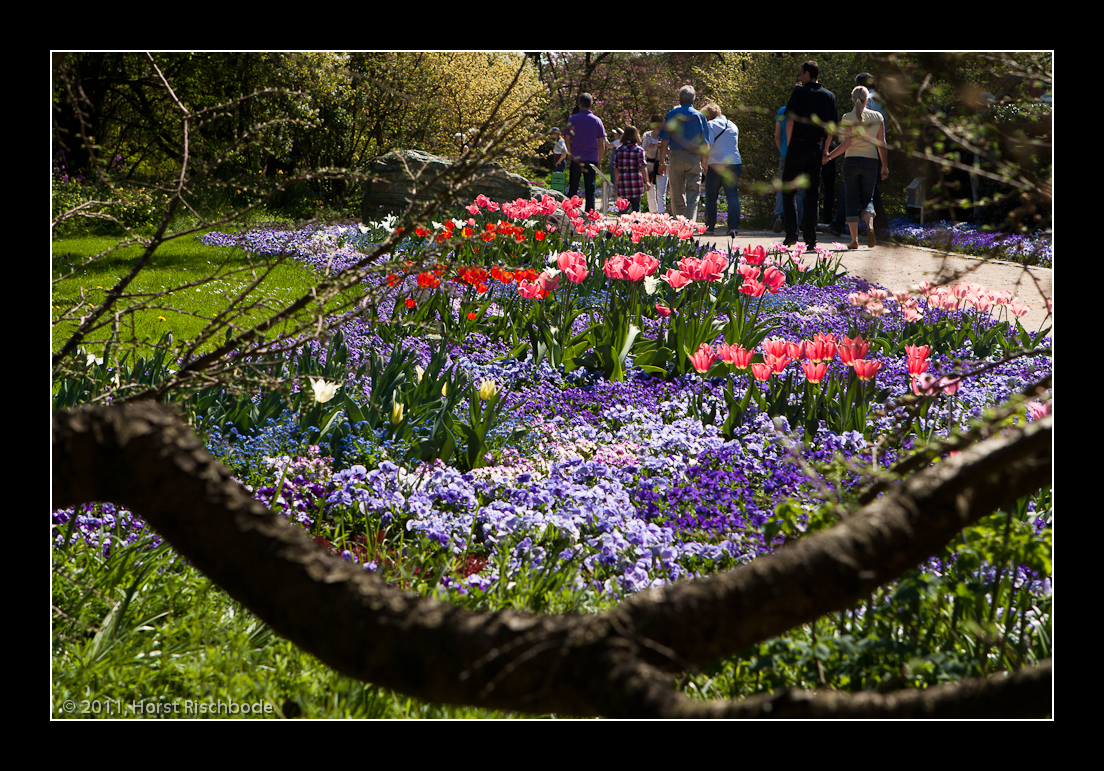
<point>615,664</point>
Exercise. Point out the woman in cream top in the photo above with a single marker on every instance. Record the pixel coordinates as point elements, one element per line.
<point>863,146</point>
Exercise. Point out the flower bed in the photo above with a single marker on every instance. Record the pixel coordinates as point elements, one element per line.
<point>967,238</point>
<point>612,408</point>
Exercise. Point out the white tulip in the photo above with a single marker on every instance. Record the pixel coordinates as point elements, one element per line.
<point>323,391</point>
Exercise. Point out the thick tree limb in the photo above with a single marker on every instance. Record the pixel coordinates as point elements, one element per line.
<point>141,456</point>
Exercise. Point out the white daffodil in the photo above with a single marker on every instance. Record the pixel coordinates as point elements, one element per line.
<point>323,390</point>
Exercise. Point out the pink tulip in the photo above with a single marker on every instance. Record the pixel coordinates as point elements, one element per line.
<point>677,279</point>
<point>735,355</point>
<point>662,310</point>
<point>564,260</point>
<point>548,283</point>
<point>775,346</point>
<point>917,351</point>
<point>531,290</point>
<point>614,267</point>
<point>762,371</point>
<point>949,385</point>
<point>774,279</point>
<point>712,267</point>
<point>822,348</point>
<point>795,349</point>
<point>850,350</point>
<point>753,288</point>
<point>704,357</point>
<point>814,371</point>
<point>576,273</point>
<point>865,370</point>
<point>1036,410</point>
<point>923,383</point>
<point>749,271</point>
<point>646,261</point>
<point>778,363</point>
<point>754,255</point>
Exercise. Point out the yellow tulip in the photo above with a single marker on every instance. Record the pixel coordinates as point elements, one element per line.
<point>487,390</point>
<point>396,413</point>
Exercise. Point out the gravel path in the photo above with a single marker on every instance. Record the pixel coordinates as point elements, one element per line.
<point>903,267</point>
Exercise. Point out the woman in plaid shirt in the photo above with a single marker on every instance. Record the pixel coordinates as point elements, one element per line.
<point>630,170</point>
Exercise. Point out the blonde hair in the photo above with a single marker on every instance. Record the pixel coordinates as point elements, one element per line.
<point>860,94</point>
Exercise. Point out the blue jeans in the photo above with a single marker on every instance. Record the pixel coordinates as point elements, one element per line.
<point>727,177</point>
<point>860,176</point>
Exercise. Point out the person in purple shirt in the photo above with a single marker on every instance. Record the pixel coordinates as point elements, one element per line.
<point>586,144</point>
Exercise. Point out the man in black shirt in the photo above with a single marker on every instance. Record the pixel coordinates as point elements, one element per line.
<point>810,108</point>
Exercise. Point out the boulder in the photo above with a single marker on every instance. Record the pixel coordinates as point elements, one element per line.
<point>390,188</point>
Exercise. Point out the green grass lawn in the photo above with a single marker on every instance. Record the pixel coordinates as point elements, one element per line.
<point>184,286</point>
<point>142,634</point>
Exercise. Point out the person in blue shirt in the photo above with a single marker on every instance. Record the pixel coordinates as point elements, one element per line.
<point>780,143</point>
<point>685,138</point>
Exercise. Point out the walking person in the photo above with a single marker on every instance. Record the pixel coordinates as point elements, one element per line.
<point>780,143</point>
<point>864,149</point>
<point>586,144</point>
<point>806,142</point>
<point>657,191</point>
<point>630,169</point>
<point>723,168</point>
<point>881,219</point>
<point>685,137</point>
